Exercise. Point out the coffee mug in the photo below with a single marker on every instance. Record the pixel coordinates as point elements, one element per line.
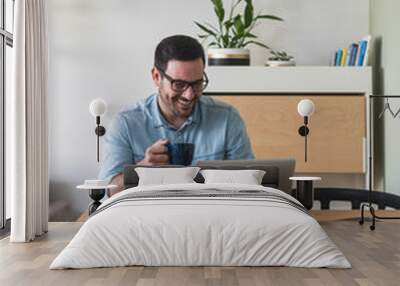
<point>180,153</point>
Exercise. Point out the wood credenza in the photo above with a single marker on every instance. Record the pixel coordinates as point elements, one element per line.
<point>267,100</point>
<point>336,142</point>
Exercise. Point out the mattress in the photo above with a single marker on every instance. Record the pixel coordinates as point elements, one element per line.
<point>201,225</point>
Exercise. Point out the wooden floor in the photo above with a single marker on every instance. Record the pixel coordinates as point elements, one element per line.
<point>374,255</point>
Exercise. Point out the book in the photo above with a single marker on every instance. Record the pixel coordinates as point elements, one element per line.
<point>335,58</point>
<point>353,54</point>
<point>338,58</point>
<point>367,41</point>
<point>344,55</point>
<point>348,56</point>
<point>358,54</point>
<point>363,51</point>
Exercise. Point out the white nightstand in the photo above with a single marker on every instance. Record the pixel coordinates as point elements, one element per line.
<point>305,190</point>
<point>96,193</point>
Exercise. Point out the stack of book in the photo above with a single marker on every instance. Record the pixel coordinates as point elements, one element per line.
<point>355,55</point>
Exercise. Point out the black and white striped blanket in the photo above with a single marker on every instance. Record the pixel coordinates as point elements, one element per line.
<point>206,194</point>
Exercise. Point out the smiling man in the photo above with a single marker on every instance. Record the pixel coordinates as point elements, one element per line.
<point>178,113</point>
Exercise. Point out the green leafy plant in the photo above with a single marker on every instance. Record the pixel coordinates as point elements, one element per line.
<point>279,56</point>
<point>234,30</point>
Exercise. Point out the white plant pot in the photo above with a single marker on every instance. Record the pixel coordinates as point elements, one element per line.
<point>281,63</point>
<point>228,57</point>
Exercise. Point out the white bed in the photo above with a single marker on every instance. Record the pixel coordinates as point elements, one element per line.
<point>249,226</point>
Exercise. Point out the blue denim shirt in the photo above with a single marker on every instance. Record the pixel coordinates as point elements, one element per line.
<point>215,128</point>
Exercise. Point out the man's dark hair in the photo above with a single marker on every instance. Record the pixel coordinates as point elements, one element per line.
<point>177,47</point>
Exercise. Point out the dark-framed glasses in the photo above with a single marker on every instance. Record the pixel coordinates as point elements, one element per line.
<point>178,85</point>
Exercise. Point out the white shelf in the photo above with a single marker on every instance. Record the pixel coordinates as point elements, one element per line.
<point>300,79</point>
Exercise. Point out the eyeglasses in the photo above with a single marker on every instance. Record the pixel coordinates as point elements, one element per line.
<point>180,86</point>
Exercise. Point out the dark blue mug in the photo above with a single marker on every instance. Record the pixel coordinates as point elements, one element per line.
<point>180,153</point>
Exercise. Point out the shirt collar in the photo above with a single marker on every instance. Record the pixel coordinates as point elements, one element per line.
<point>160,121</point>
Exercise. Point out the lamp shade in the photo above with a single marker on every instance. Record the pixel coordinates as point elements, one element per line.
<point>305,107</point>
<point>97,107</point>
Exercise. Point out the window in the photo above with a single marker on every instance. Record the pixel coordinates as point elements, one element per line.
<point>6,44</point>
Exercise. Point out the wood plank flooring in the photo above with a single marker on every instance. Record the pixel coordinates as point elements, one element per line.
<point>375,257</point>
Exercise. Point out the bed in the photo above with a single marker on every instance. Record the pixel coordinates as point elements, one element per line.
<point>204,224</point>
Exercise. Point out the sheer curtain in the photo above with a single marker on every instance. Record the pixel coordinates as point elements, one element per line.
<point>27,123</point>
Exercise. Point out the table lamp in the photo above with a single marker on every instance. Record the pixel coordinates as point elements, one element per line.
<point>305,108</point>
<point>98,108</point>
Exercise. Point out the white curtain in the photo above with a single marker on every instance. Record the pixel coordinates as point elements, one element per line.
<point>27,122</point>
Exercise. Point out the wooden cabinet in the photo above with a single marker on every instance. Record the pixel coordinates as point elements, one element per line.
<point>336,143</point>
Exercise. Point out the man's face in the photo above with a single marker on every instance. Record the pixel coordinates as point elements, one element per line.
<point>175,103</point>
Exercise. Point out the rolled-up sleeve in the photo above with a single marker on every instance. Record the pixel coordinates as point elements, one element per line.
<point>117,149</point>
<point>238,142</point>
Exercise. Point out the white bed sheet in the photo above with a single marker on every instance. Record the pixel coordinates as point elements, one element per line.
<point>200,231</point>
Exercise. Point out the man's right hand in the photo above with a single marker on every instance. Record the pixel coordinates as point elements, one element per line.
<point>156,154</point>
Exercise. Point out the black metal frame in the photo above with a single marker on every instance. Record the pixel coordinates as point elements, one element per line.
<point>100,131</point>
<point>370,168</point>
<point>204,80</point>
<point>96,195</point>
<point>356,197</point>
<point>304,131</point>
<point>304,193</point>
<point>6,39</point>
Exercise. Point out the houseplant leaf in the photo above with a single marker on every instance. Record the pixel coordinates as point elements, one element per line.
<point>205,29</point>
<point>219,10</point>
<point>271,17</point>
<point>228,24</point>
<point>250,35</point>
<point>239,26</point>
<point>248,13</point>
<point>213,28</point>
<point>214,44</point>
<point>234,31</point>
<point>255,43</point>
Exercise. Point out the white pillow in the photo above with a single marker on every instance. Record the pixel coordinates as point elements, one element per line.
<point>163,176</point>
<point>248,177</point>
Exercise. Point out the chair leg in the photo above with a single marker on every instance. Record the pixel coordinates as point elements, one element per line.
<point>361,221</point>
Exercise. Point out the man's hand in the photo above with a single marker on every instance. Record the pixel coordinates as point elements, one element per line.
<point>119,181</point>
<point>156,154</point>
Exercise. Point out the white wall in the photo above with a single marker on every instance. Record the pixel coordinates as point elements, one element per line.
<point>104,48</point>
<point>385,24</point>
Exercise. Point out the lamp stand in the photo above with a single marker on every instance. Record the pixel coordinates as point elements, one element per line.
<point>100,131</point>
<point>370,168</point>
<point>303,131</point>
<point>96,195</point>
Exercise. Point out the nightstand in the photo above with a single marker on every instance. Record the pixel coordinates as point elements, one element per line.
<point>304,190</point>
<point>96,193</point>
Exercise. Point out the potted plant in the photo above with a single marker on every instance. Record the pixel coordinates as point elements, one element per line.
<point>233,33</point>
<point>279,59</point>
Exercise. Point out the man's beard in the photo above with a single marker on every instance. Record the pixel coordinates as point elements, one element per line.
<point>184,105</point>
<point>177,105</point>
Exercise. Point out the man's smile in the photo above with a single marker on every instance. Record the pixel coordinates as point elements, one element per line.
<point>184,103</point>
